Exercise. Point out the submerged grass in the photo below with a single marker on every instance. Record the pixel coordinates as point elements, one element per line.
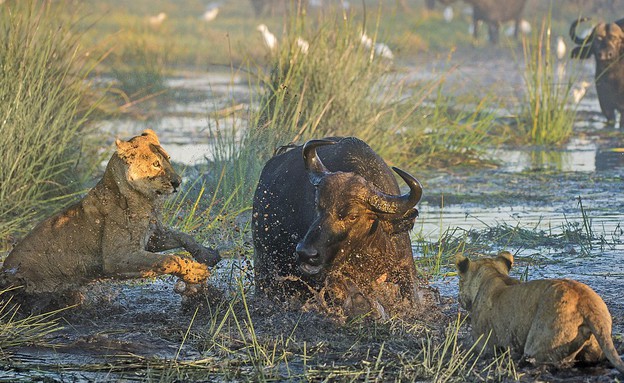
<point>16,331</point>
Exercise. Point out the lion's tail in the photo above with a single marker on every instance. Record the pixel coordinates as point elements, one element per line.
<point>601,329</point>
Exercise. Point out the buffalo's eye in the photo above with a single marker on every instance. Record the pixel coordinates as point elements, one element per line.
<point>156,164</point>
<point>352,217</point>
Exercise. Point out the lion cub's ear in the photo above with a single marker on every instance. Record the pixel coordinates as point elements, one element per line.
<point>507,258</point>
<point>151,136</point>
<point>462,263</point>
<point>123,148</point>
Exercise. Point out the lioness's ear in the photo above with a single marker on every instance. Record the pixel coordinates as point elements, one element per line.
<point>151,135</point>
<point>507,258</point>
<point>462,263</point>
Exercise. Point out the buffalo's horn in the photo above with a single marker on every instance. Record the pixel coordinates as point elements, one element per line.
<point>397,204</point>
<point>577,40</point>
<point>313,164</point>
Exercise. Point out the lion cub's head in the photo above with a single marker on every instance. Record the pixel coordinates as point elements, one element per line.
<point>148,169</point>
<point>472,274</point>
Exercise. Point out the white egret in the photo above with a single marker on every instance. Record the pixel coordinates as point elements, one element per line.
<point>269,38</point>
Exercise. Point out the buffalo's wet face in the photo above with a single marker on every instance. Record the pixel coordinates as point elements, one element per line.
<point>343,219</point>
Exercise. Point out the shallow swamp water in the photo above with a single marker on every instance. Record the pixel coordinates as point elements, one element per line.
<point>561,212</point>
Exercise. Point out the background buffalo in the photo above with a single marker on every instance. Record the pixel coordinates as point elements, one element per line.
<point>606,44</point>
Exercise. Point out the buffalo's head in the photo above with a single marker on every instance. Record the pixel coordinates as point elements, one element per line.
<point>606,42</point>
<point>349,211</point>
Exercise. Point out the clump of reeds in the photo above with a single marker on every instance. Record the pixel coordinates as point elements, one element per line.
<point>549,114</point>
<point>341,87</point>
<point>44,113</point>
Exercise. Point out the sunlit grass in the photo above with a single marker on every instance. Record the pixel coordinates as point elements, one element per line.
<point>549,111</point>
<point>47,151</point>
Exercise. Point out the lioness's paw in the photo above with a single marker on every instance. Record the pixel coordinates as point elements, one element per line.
<point>193,272</point>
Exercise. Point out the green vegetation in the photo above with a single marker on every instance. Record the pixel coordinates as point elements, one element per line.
<point>16,331</point>
<point>44,115</point>
<point>139,68</point>
<point>550,112</point>
<point>339,87</point>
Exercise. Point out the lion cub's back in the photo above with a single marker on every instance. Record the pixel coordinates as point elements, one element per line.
<point>564,299</point>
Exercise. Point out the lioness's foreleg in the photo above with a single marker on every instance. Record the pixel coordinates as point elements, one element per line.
<point>143,264</point>
<point>166,239</point>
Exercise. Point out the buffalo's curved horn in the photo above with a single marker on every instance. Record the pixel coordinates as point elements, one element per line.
<point>576,39</point>
<point>313,164</point>
<point>397,204</point>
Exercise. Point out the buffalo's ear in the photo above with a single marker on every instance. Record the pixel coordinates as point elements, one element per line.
<point>404,223</point>
<point>581,52</point>
<point>507,258</point>
<point>462,263</point>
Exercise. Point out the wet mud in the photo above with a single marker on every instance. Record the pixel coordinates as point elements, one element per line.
<point>144,331</point>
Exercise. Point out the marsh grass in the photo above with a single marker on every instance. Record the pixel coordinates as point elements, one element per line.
<point>550,112</point>
<point>442,361</point>
<point>18,331</point>
<point>339,87</point>
<point>138,64</point>
<point>47,103</point>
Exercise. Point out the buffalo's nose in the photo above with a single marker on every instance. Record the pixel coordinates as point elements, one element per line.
<point>306,253</point>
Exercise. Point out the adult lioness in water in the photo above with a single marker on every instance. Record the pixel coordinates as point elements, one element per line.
<point>113,232</point>
<point>555,321</point>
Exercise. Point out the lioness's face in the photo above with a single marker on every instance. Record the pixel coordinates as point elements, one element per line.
<point>473,273</point>
<point>149,170</point>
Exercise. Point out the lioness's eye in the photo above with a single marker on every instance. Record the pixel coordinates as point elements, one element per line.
<point>156,164</point>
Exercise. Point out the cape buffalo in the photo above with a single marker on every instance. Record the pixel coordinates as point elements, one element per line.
<point>493,13</point>
<point>339,234</point>
<point>606,43</point>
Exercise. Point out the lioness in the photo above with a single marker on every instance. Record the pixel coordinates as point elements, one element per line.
<point>554,321</point>
<point>113,232</point>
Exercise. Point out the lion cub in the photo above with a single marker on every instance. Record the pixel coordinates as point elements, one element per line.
<point>113,232</point>
<point>555,321</point>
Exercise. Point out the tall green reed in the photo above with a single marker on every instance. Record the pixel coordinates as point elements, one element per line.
<point>340,87</point>
<point>44,117</point>
<point>549,111</point>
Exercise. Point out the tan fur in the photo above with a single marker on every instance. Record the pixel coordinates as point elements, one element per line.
<point>554,321</point>
<point>109,232</point>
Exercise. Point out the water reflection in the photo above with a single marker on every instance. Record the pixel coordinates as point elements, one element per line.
<point>578,156</point>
